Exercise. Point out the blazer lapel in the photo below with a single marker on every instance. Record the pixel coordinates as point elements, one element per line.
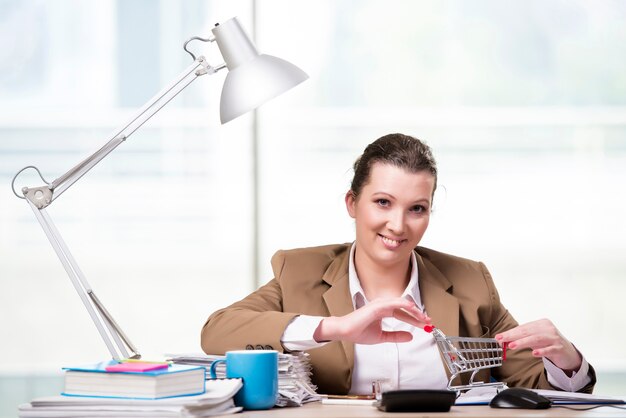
<point>440,305</point>
<point>337,297</point>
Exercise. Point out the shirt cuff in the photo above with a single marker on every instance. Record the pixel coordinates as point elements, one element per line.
<point>558,378</point>
<point>298,335</point>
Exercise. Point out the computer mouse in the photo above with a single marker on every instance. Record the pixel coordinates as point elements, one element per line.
<point>520,398</point>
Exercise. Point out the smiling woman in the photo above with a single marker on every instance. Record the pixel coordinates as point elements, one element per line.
<point>358,308</point>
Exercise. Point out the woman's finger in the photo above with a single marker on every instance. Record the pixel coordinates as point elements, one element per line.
<point>418,319</point>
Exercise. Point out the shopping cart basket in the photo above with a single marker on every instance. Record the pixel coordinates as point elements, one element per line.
<point>465,355</point>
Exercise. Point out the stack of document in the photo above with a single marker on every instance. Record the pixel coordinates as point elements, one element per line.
<point>217,400</point>
<point>294,375</point>
<point>483,395</point>
<point>571,398</point>
<point>294,380</point>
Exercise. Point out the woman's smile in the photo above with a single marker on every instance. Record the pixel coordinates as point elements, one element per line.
<point>390,243</point>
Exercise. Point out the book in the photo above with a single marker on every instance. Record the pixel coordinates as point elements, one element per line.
<point>95,380</point>
<point>136,367</point>
<point>217,400</point>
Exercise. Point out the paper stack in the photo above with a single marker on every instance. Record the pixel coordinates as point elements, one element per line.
<point>217,400</point>
<point>294,375</point>
<point>294,380</point>
<point>483,395</point>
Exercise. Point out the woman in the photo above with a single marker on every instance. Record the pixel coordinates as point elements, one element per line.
<point>357,308</point>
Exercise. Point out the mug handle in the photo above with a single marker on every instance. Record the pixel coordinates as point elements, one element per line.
<point>213,365</point>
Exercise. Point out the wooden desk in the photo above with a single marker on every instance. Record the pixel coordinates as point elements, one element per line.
<point>317,410</point>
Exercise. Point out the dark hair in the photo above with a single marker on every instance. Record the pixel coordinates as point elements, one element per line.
<point>400,150</point>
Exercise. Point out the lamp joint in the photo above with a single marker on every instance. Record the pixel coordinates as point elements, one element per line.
<point>40,196</point>
<point>206,67</point>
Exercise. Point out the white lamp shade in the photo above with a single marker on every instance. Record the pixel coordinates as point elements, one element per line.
<point>249,86</point>
<point>252,78</point>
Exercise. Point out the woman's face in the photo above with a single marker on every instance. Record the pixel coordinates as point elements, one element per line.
<point>391,213</point>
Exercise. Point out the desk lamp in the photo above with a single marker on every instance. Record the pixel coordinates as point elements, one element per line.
<point>252,80</point>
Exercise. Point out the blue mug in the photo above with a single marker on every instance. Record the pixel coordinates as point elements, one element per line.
<point>259,371</point>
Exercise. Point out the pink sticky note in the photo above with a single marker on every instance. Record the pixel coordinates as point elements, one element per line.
<point>135,367</point>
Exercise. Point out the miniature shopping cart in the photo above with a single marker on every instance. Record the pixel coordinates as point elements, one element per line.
<point>465,355</point>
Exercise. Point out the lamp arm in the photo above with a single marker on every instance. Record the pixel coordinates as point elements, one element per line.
<point>107,327</point>
<point>39,198</point>
<point>43,196</point>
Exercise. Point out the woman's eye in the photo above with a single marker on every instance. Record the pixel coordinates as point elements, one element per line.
<point>383,202</point>
<point>418,209</point>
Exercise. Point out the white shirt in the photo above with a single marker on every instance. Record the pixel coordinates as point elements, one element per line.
<point>412,365</point>
<point>421,364</point>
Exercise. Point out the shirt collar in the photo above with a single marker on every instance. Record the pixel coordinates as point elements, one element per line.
<point>357,294</point>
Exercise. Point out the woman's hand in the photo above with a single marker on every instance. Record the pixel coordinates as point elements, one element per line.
<point>364,325</point>
<point>546,341</point>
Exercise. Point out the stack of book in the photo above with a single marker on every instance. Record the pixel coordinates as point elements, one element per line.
<point>137,389</point>
<point>134,380</point>
<point>294,375</point>
<point>217,400</point>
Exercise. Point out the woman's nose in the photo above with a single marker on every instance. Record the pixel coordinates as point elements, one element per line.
<point>395,223</point>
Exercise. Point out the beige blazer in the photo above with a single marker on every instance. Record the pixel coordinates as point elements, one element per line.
<point>458,294</point>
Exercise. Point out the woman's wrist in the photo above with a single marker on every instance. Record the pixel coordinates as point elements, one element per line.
<point>325,330</point>
<point>575,362</point>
